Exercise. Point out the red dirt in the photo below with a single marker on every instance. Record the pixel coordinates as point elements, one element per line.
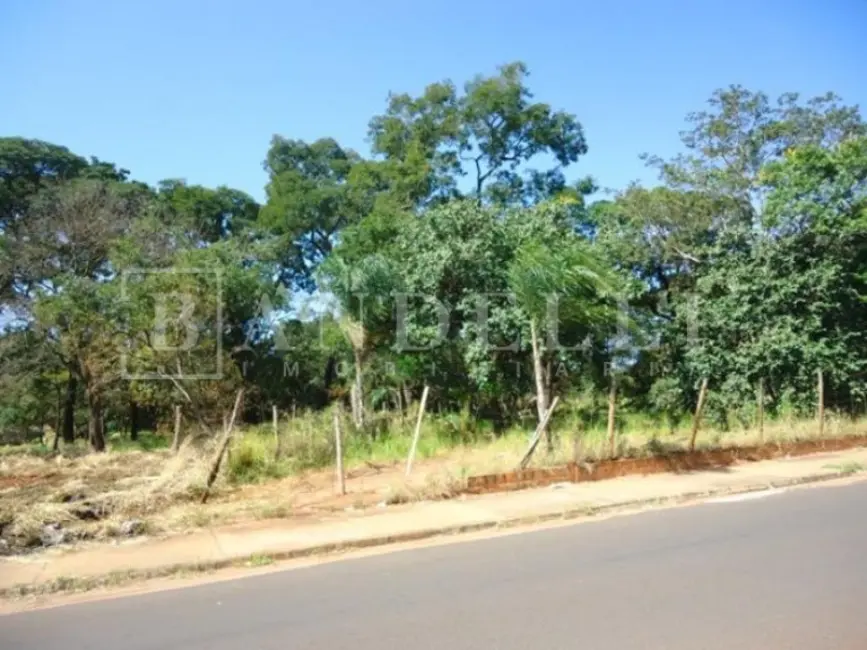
<point>680,461</point>
<point>23,480</point>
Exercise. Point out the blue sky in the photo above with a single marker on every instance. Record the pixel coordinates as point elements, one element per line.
<point>194,89</point>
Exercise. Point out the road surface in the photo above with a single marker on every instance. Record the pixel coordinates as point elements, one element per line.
<point>786,571</point>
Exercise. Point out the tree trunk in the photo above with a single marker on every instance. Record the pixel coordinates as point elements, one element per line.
<point>407,399</point>
<point>69,409</point>
<point>549,378</point>
<point>696,418</point>
<point>358,401</point>
<point>95,421</point>
<point>539,373</point>
<point>398,393</point>
<point>133,420</point>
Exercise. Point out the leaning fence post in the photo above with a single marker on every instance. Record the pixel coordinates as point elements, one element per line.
<point>223,447</point>
<point>176,439</point>
<point>696,420</point>
<point>417,430</point>
<point>538,434</point>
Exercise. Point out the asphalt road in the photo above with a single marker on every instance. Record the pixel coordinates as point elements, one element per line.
<point>786,571</point>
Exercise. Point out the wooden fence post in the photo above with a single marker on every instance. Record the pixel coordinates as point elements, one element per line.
<point>696,420</point>
<point>341,479</point>
<point>761,410</point>
<point>417,430</point>
<point>274,422</point>
<point>612,400</point>
<point>176,440</point>
<point>275,417</point>
<point>537,435</point>
<point>223,447</point>
<point>821,390</point>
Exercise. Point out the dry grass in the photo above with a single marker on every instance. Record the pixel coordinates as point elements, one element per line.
<point>95,496</point>
<point>90,497</point>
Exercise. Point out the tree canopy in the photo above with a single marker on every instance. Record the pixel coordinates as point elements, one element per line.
<point>462,252</point>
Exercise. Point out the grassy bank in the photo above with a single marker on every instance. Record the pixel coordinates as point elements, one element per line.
<point>307,442</point>
<point>141,487</point>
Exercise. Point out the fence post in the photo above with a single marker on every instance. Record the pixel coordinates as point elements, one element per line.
<point>223,448</point>
<point>176,440</point>
<point>540,429</point>
<point>696,419</point>
<point>417,430</point>
<point>274,421</point>
<point>761,410</point>
<point>275,417</point>
<point>612,400</point>
<point>821,390</point>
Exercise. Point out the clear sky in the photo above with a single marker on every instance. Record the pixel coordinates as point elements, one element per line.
<point>195,89</point>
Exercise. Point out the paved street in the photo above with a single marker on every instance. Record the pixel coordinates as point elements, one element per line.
<point>785,571</point>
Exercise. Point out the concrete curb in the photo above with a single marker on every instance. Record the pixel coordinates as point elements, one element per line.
<point>72,584</point>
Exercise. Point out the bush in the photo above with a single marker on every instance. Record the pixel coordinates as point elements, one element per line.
<point>252,458</point>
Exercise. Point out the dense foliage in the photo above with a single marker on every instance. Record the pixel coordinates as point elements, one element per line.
<point>457,254</point>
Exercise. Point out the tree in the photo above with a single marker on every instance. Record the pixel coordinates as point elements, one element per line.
<point>27,167</point>
<point>490,133</point>
<point>365,291</point>
<point>568,279</point>
<point>312,194</point>
<point>31,385</point>
<point>702,222</point>
<point>793,299</point>
<point>205,215</point>
<point>65,247</point>
<point>729,145</point>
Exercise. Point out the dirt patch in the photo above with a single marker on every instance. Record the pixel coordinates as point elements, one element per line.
<point>675,461</point>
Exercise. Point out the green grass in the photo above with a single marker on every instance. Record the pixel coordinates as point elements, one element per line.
<point>27,449</point>
<point>146,441</point>
<point>307,442</point>
<point>116,440</point>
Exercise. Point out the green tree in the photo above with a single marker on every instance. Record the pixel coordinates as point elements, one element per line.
<point>556,286</point>
<point>203,214</point>
<point>364,290</point>
<point>490,133</point>
<point>313,192</point>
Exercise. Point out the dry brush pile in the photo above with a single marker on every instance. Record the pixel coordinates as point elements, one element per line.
<point>46,501</point>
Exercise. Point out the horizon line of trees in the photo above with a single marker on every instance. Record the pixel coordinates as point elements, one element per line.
<point>746,263</point>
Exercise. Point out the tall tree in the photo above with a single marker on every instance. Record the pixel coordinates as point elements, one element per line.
<point>202,214</point>
<point>490,133</point>
<point>65,244</point>
<point>312,194</point>
<point>556,286</point>
<point>365,291</point>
